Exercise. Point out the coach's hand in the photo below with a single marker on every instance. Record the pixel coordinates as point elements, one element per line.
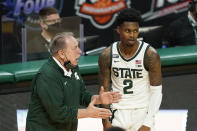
<point>144,128</point>
<point>109,97</point>
<point>96,112</point>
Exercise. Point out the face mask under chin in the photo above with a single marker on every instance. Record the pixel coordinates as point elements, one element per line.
<point>68,65</point>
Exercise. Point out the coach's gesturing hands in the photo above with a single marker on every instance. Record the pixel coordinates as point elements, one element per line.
<point>96,112</point>
<point>102,98</point>
<point>107,97</point>
<point>93,111</point>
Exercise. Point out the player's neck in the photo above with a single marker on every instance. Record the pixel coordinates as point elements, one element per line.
<point>128,50</point>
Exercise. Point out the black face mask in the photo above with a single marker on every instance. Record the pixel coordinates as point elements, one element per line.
<point>68,65</point>
<point>55,28</point>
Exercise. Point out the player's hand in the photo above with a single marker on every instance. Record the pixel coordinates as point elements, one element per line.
<point>144,128</point>
<point>96,112</point>
<point>109,97</point>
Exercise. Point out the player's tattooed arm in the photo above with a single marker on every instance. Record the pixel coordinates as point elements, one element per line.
<point>104,69</point>
<point>153,64</point>
<point>104,78</point>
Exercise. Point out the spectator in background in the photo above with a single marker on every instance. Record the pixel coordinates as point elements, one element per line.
<point>183,31</point>
<point>38,42</point>
<point>48,16</point>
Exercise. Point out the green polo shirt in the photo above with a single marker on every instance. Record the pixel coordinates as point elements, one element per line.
<point>55,99</point>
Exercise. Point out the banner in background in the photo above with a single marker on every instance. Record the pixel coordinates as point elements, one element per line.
<point>160,8</point>
<point>26,11</point>
<point>101,13</point>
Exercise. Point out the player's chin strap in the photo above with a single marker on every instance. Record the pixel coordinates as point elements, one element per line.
<point>154,104</point>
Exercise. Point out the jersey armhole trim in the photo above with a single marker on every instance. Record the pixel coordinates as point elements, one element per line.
<point>111,55</point>
<point>145,57</point>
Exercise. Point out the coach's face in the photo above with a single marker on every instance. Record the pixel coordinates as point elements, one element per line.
<point>72,51</point>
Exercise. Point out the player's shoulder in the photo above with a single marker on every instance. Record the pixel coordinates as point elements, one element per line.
<point>106,52</point>
<point>151,54</point>
<point>148,47</point>
<point>105,57</point>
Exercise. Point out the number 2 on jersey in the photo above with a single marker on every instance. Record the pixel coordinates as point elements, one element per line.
<point>129,85</point>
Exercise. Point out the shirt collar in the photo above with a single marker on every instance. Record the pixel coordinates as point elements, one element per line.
<point>191,20</point>
<point>66,73</point>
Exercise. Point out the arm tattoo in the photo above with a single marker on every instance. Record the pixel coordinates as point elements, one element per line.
<point>153,65</point>
<point>104,69</point>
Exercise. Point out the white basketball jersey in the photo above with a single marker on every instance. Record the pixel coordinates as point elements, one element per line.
<point>130,78</point>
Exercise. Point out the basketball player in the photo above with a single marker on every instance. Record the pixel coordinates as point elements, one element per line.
<point>134,68</point>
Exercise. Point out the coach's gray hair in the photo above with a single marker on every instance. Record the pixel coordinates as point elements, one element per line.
<point>59,42</point>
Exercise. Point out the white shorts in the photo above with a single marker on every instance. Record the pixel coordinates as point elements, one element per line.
<point>131,119</point>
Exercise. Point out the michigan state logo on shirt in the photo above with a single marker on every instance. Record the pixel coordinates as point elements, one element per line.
<point>76,76</point>
<point>101,13</point>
